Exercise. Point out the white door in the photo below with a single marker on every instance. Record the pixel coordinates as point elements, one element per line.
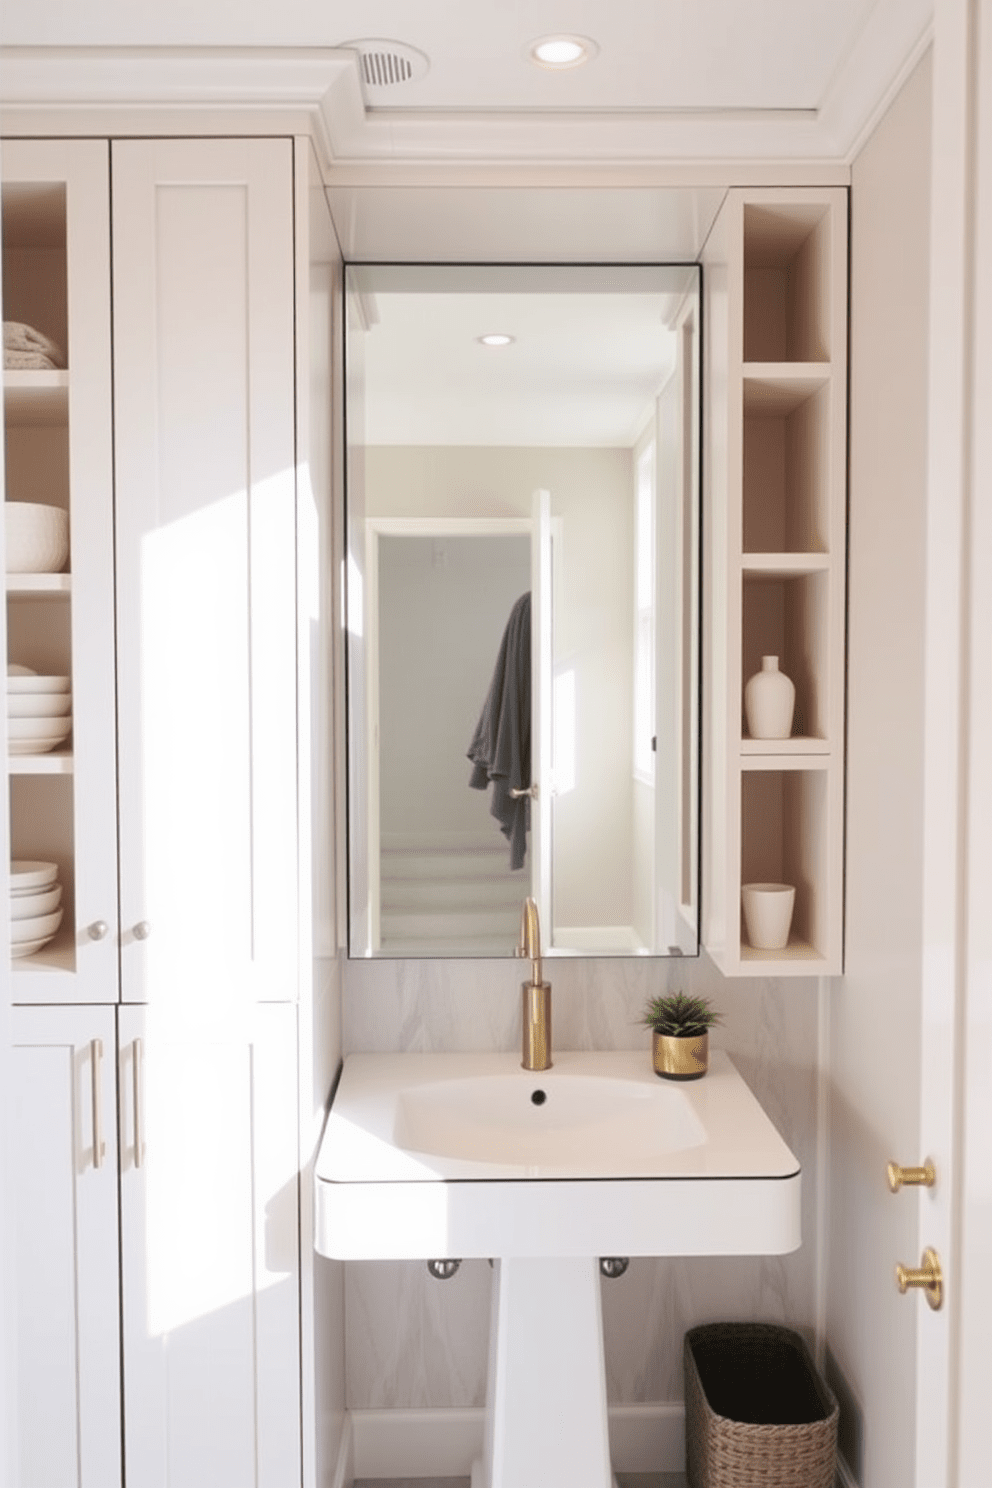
<point>210,1246</point>
<point>912,1011</point>
<point>64,1192</point>
<point>206,567</point>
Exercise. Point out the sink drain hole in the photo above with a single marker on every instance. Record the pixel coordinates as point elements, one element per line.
<point>538,1097</point>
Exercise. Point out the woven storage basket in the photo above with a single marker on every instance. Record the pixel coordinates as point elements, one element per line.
<point>757,1413</point>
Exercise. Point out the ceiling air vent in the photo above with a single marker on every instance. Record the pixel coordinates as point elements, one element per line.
<point>386,65</point>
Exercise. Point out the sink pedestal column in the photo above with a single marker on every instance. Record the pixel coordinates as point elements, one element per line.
<point>546,1421</point>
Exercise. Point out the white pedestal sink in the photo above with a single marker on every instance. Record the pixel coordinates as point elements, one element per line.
<point>466,1155</point>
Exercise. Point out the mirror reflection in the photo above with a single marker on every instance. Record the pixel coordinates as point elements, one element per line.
<point>522,608</point>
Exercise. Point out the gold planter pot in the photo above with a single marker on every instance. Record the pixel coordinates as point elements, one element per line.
<point>680,1058</point>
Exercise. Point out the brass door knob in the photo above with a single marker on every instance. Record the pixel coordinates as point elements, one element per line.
<point>927,1276</point>
<point>922,1177</point>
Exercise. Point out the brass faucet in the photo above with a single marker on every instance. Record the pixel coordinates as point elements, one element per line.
<point>536,995</point>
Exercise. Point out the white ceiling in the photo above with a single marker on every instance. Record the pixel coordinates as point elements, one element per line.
<point>758,78</point>
<point>778,54</point>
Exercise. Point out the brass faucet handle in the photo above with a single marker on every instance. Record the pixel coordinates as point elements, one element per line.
<point>927,1276</point>
<point>921,1177</point>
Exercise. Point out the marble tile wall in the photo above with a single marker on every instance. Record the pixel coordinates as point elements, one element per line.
<point>412,1342</point>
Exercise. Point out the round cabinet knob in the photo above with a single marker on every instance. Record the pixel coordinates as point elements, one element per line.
<point>97,930</point>
<point>142,930</point>
<point>927,1276</point>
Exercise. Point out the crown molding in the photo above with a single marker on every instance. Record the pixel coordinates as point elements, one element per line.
<point>280,87</point>
<point>891,43</point>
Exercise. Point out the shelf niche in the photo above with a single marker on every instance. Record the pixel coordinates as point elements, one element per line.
<point>787,282</point>
<point>786,473</point>
<point>787,616</point>
<point>784,839</point>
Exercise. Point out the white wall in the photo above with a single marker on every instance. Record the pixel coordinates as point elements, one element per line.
<point>875,1055</point>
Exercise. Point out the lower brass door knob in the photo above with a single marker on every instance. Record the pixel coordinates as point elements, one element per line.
<point>927,1276</point>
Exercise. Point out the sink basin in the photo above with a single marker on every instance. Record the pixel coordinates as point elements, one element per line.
<point>432,1155</point>
<point>555,1123</point>
<point>461,1155</point>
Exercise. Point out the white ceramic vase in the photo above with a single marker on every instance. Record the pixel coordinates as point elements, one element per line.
<point>768,914</point>
<point>769,700</point>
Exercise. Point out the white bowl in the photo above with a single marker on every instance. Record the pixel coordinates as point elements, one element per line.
<point>40,925</point>
<point>14,669</point>
<point>38,704</point>
<point>36,735</point>
<point>28,947</point>
<point>31,873</point>
<point>768,914</point>
<point>38,902</point>
<point>27,682</point>
<point>37,537</point>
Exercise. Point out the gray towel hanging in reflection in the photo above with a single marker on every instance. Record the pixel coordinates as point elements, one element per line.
<point>500,748</point>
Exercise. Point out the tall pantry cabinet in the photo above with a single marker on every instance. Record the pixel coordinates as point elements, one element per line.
<point>156,1034</point>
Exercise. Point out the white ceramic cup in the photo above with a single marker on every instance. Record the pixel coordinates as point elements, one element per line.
<point>768,914</point>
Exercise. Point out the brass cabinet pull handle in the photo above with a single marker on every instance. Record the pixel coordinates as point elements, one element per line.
<point>922,1177</point>
<point>96,1074</point>
<point>927,1276</point>
<point>139,1075</point>
<point>530,790</point>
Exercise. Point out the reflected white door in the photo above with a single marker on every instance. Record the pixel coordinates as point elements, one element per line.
<point>541,737</point>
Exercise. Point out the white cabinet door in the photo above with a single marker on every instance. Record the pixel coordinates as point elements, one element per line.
<point>206,566</point>
<point>209,1219</point>
<point>67,1253</point>
<point>58,423</point>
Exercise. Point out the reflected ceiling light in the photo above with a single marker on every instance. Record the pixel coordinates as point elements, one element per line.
<point>496,338</point>
<point>556,53</point>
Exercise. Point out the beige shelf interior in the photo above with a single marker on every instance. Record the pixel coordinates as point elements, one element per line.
<point>35,398</point>
<point>786,472</point>
<point>784,839</point>
<point>34,257</point>
<point>787,617</point>
<point>786,282</point>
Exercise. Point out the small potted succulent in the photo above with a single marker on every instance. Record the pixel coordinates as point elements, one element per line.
<point>680,1044</point>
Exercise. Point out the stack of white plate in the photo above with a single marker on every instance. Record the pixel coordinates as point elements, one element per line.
<point>38,711</point>
<point>35,900</point>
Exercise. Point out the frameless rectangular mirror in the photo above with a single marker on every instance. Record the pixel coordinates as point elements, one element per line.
<point>522,596</point>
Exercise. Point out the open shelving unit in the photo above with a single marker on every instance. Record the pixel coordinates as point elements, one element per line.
<point>775,525</point>
<point>57,431</point>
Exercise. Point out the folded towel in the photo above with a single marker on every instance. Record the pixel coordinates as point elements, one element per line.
<point>21,340</point>
<point>20,361</point>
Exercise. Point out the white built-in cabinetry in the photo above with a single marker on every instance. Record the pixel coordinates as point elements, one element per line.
<point>158,1268</point>
<point>775,378</point>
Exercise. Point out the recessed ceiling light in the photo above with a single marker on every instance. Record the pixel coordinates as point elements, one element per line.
<point>557,53</point>
<point>496,338</point>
